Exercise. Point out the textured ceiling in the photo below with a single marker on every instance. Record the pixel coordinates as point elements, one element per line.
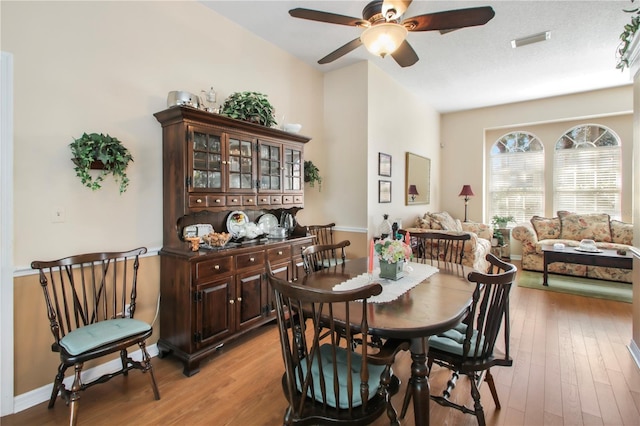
<point>468,68</point>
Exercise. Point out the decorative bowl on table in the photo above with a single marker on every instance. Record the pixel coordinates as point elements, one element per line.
<point>217,239</point>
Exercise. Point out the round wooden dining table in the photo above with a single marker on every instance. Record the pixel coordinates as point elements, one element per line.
<point>436,304</point>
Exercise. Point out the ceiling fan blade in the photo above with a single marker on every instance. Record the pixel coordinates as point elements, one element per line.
<point>400,6</point>
<point>331,18</point>
<point>341,51</point>
<point>404,55</point>
<point>450,19</point>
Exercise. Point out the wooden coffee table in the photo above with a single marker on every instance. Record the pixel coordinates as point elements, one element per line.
<point>605,257</point>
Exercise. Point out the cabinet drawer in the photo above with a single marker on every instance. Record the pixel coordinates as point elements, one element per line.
<point>197,201</point>
<point>279,254</point>
<point>287,199</point>
<point>203,201</point>
<point>298,247</point>
<point>275,199</point>
<point>249,200</point>
<point>298,199</point>
<point>249,260</point>
<point>210,268</point>
<point>263,200</point>
<point>215,200</point>
<point>234,200</point>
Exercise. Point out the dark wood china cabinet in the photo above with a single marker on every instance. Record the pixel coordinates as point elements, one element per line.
<point>213,165</point>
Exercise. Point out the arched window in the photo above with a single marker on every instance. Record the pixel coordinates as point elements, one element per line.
<point>516,176</point>
<point>588,171</point>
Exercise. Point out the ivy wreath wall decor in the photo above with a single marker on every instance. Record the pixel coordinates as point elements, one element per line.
<point>312,175</point>
<point>97,151</point>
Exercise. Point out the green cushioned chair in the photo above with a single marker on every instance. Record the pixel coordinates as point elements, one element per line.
<point>341,385</point>
<point>470,348</point>
<point>91,301</point>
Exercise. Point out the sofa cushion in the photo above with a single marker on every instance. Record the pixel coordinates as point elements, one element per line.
<point>445,220</point>
<point>621,232</point>
<point>546,227</point>
<point>580,226</point>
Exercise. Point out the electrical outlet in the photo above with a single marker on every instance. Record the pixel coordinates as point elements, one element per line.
<point>58,215</point>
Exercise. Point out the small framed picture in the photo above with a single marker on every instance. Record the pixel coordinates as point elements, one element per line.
<point>384,191</point>
<point>384,164</point>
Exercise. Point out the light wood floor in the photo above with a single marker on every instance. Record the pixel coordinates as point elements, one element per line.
<point>572,367</point>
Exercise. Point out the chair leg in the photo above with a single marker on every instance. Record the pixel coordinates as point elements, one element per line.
<point>492,387</point>
<point>407,398</point>
<point>125,363</point>
<point>146,360</point>
<point>385,381</point>
<point>475,393</point>
<point>75,395</point>
<point>56,384</point>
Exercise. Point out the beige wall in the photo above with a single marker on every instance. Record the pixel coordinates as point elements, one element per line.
<point>463,137</point>
<point>107,67</point>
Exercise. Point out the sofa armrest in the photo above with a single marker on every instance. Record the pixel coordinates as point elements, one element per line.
<point>482,230</point>
<point>525,233</point>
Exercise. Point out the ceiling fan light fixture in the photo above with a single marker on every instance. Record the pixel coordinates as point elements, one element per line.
<point>383,39</point>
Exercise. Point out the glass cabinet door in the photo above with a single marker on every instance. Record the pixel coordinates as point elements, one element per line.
<point>293,169</point>
<point>207,161</point>
<point>241,170</point>
<point>270,167</point>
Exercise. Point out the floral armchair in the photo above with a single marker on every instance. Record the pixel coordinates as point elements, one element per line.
<point>476,249</point>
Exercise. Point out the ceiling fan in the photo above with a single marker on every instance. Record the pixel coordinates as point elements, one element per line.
<point>385,30</point>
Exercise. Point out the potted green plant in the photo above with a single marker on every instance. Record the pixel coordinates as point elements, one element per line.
<point>312,175</point>
<point>626,37</point>
<point>249,106</point>
<point>95,151</point>
<point>501,221</point>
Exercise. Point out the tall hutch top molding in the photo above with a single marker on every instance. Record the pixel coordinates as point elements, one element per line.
<point>178,114</point>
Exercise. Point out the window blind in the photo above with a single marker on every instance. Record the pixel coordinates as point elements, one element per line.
<point>588,180</point>
<point>516,184</point>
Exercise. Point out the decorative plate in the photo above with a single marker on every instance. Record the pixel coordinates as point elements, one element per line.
<point>236,222</point>
<point>268,223</point>
<point>586,250</point>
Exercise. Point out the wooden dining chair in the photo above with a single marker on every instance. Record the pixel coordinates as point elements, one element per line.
<point>319,256</point>
<point>470,348</point>
<point>438,246</point>
<point>326,383</point>
<point>323,233</point>
<point>91,302</point>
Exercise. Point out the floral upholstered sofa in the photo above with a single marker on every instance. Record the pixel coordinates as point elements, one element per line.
<point>476,249</point>
<point>569,229</point>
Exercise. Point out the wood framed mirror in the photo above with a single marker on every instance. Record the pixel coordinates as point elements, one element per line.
<point>417,179</point>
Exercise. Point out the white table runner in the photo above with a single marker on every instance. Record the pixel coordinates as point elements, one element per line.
<point>414,274</point>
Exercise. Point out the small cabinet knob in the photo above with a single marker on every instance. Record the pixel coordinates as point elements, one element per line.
<point>239,299</point>
<point>231,302</point>
<point>217,200</point>
<point>250,200</point>
<point>199,200</point>
<point>251,259</point>
<point>279,252</point>
<point>216,267</point>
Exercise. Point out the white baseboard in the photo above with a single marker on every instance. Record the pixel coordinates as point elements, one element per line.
<point>635,352</point>
<point>42,394</point>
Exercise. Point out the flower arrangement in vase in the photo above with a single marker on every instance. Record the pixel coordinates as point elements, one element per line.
<point>392,254</point>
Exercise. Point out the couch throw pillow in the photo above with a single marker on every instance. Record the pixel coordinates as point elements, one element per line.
<point>445,220</point>
<point>621,232</point>
<point>546,227</point>
<point>580,226</point>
